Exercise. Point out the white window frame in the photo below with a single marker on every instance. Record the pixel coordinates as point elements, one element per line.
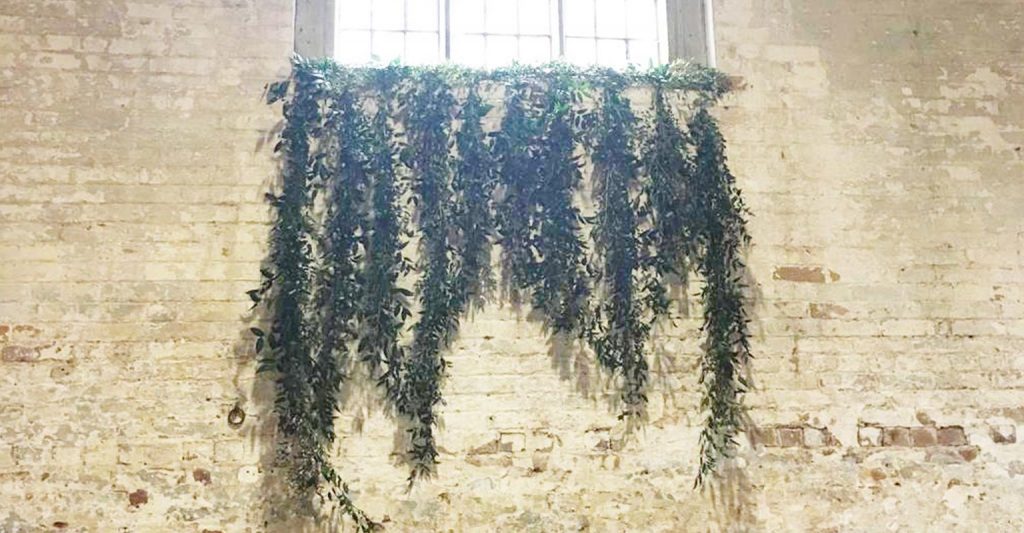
<point>686,29</point>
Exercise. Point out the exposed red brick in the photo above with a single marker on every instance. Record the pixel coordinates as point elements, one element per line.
<point>799,274</point>
<point>790,437</point>
<point>951,436</point>
<point>896,436</point>
<point>969,453</point>
<point>138,498</point>
<point>923,436</point>
<point>60,525</point>
<point>765,436</point>
<point>20,354</point>
<point>201,475</point>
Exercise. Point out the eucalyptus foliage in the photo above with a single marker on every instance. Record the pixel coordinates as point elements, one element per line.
<point>374,158</point>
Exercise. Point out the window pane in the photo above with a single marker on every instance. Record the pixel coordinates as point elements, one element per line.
<point>501,50</point>
<point>388,14</point>
<point>467,16</point>
<point>642,20</point>
<point>501,16</point>
<point>611,18</point>
<point>422,15</point>
<point>354,14</point>
<point>580,51</point>
<point>421,48</point>
<point>469,50</point>
<point>579,17</point>
<point>644,53</point>
<point>534,49</point>
<point>611,52</point>
<point>352,46</point>
<point>535,17</point>
<point>388,46</point>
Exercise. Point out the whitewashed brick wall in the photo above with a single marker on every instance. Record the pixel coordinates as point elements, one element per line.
<point>878,144</point>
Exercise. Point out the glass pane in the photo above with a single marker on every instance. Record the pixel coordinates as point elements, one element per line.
<point>642,20</point>
<point>468,50</point>
<point>501,16</point>
<point>534,49</point>
<point>422,15</point>
<point>388,14</point>
<point>467,16</point>
<point>580,51</point>
<point>643,53</point>
<point>535,17</point>
<point>579,18</point>
<point>501,50</point>
<point>354,14</point>
<point>611,52</point>
<point>352,46</point>
<point>388,46</point>
<point>611,18</point>
<point>421,48</point>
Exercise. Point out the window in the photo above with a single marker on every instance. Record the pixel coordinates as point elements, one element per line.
<point>496,32</point>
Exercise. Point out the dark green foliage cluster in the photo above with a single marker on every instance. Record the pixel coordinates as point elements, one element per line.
<point>538,221</point>
<point>473,189</point>
<point>385,305</point>
<point>312,307</point>
<point>720,233</point>
<point>373,157</point>
<point>427,114</point>
<point>620,332</point>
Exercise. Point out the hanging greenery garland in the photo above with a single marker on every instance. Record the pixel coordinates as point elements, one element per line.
<point>561,287</point>
<point>385,305</point>
<point>720,231</point>
<point>474,184</point>
<point>620,332</point>
<point>359,144</point>
<point>518,172</point>
<point>427,115</point>
<point>308,374</point>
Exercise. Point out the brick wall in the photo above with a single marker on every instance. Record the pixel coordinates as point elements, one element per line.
<point>878,143</point>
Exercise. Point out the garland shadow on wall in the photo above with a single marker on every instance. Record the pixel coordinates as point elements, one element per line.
<point>376,158</point>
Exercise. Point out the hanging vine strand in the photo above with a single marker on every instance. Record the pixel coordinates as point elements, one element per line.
<point>560,288</point>
<point>385,307</point>
<point>721,231</point>
<point>427,115</point>
<point>620,333</point>
<point>361,144</point>
<point>516,206</point>
<point>474,183</point>
<point>306,386</point>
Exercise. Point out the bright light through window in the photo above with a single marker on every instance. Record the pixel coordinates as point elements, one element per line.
<point>497,32</point>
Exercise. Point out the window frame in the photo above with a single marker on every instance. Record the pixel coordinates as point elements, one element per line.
<point>686,29</point>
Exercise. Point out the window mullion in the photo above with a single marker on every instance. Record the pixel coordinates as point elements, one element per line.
<point>447,29</point>
<point>560,15</point>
